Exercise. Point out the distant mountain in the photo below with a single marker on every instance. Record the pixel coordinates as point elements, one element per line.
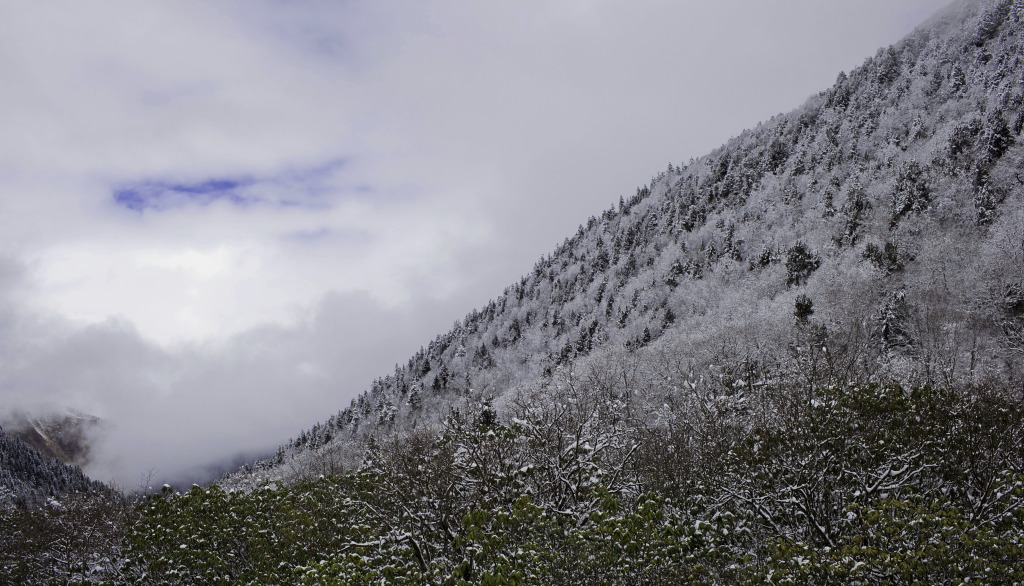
<point>64,436</point>
<point>880,223</point>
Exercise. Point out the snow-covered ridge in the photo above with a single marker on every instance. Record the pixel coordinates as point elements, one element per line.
<point>882,212</point>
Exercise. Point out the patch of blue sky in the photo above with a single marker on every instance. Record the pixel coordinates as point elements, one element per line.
<point>318,186</point>
<point>157,195</point>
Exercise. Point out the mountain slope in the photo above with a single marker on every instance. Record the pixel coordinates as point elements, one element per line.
<point>56,525</point>
<point>29,477</point>
<point>885,211</point>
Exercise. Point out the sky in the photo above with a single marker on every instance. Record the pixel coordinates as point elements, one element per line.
<point>219,222</point>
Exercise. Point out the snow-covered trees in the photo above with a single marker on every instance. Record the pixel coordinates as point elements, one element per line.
<point>77,538</point>
<point>31,478</point>
<point>563,486</point>
<point>918,150</point>
<point>633,469</point>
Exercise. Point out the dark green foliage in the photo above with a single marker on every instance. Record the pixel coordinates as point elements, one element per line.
<point>854,214</point>
<point>977,144</point>
<point>911,192</point>
<point>844,483</point>
<point>887,66</point>
<point>208,536</point>
<point>995,139</point>
<point>668,319</point>
<point>851,483</point>
<point>893,322</point>
<point>441,378</point>
<point>76,539</point>
<point>675,272</point>
<point>640,341</point>
<point>482,358</point>
<point>488,416</point>
<point>887,258</point>
<point>800,264</point>
<point>803,309</point>
<point>416,398</point>
<point>776,155</point>
<point>991,21</point>
<point>904,542</point>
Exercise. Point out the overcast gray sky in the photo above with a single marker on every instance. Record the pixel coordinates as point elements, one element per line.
<point>220,221</point>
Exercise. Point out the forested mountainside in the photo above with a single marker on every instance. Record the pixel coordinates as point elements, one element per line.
<point>56,525</point>
<point>796,360</point>
<point>29,478</point>
<point>884,216</point>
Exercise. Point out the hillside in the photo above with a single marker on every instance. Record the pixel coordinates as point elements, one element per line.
<point>29,477</point>
<point>885,211</point>
<point>54,521</point>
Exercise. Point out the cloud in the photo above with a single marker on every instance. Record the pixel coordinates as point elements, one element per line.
<point>198,201</point>
<point>179,411</point>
